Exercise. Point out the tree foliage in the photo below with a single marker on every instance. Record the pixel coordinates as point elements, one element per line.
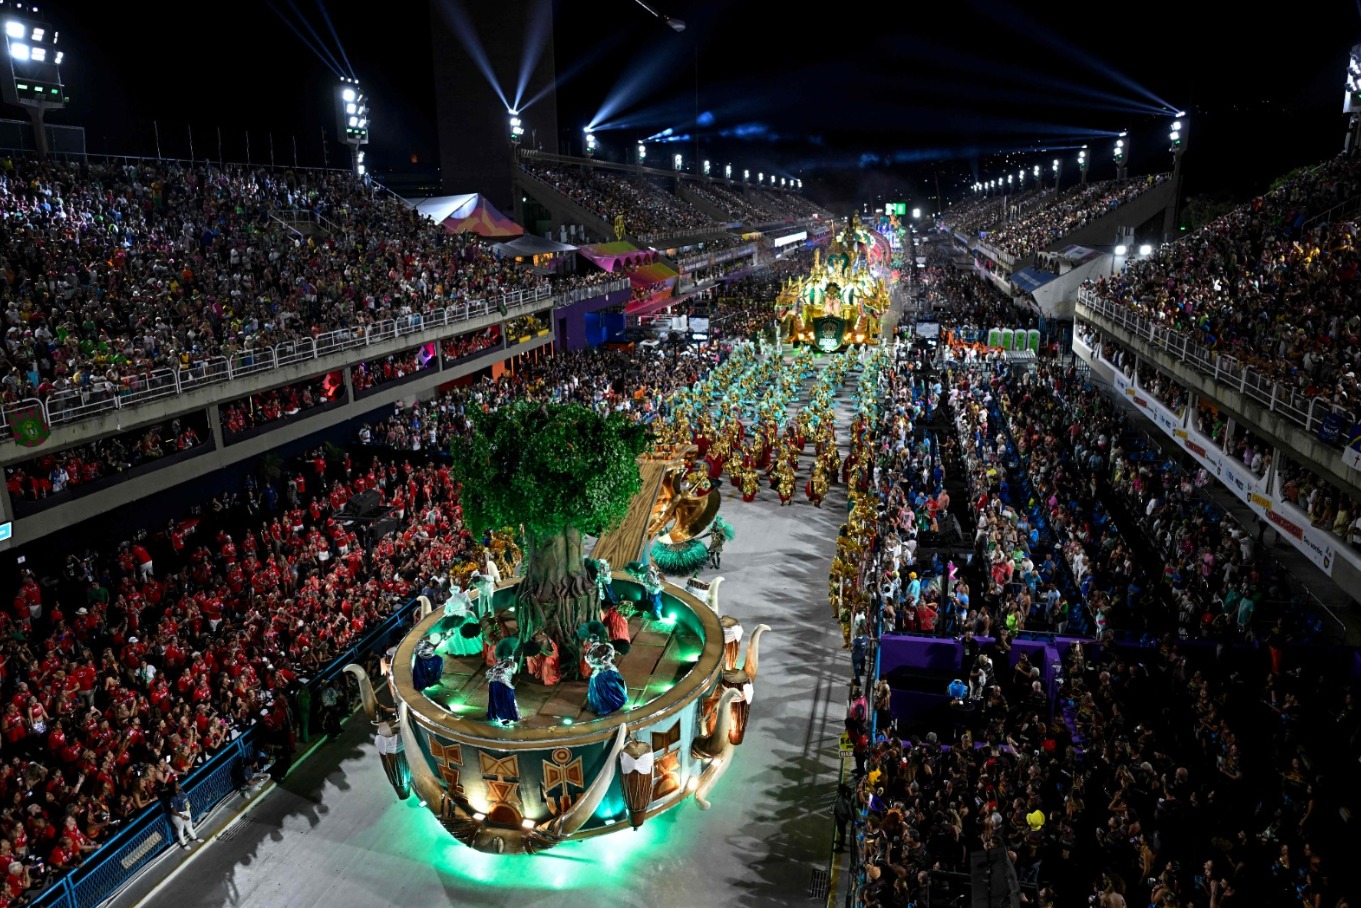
<point>548,468</point>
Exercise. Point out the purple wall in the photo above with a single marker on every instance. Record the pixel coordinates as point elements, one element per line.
<point>569,322</point>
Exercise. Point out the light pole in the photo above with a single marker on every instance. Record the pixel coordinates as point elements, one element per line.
<point>1121,155</point>
<point>1058,173</point>
<point>590,142</point>
<point>352,121</point>
<point>34,78</point>
<point>1082,165</point>
<point>1176,138</point>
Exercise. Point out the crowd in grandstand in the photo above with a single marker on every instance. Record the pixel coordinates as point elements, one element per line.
<point>1161,771</point>
<point>281,403</point>
<point>648,209</point>
<point>112,271</point>
<point>1266,285</point>
<point>1064,213</point>
<point>56,475</point>
<point>131,669</point>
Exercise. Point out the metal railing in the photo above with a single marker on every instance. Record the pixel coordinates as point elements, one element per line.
<point>1306,412</point>
<point>134,389</point>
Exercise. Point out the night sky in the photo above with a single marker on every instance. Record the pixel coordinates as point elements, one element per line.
<point>859,103</point>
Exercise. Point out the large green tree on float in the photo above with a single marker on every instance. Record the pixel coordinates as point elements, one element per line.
<point>559,471</point>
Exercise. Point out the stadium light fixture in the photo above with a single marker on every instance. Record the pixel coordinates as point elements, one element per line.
<point>760,177</point>
<point>916,214</point>
<point>517,127</point>
<point>1145,249</point>
<point>642,153</point>
<point>590,142</point>
<point>676,161</point>
<point>746,175</point>
<point>706,168</point>
<point>352,121</point>
<point>33,80</point>
<point>727,171</point>
<point>1122,249</point>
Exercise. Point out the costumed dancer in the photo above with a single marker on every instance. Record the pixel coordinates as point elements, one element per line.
<point>652,581</point>
<point>464,637</point>
<point>616,624</point>
<point>391,752</point>
<point>501,706</point>
<point>484,604</point>
<point>785,484</point>
<point>604,579</point>
<point>816,487</point>
<point>606,692</point>
<point>750,485</point>
<point>546,665</point>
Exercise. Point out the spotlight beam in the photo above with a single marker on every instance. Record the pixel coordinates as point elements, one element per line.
<point>326,17</point>
<point>536,37</point>
<point>463,29</point>
<point>1024,24</point>
<point>316,51</point>
<point>320,44</point>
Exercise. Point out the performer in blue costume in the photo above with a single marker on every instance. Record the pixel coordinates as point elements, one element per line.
<point>606,692</point>
<point>501,706</point>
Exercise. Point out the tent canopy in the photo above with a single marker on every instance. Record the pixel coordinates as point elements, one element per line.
<point>531,245</point>
<point>468,213</point>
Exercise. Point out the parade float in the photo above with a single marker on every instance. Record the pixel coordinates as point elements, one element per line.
<point>575,700</point>
<point>841,300</point>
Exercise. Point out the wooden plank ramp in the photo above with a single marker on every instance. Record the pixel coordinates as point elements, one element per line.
<point>625,542</point>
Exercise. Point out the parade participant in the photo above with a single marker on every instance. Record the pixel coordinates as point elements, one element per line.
<point>785,483</point>
<point>606,691</point>
<point>501,706</point>
<point>465,635</point>
<point>545,664</point>
<point>750,485</point>
<point>816,487</point>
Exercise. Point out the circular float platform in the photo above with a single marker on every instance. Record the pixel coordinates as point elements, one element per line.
<point>562,772</point>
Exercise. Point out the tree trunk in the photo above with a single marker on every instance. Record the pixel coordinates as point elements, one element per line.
<point>557,596</point>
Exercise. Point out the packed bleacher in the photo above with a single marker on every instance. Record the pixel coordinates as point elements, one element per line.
<point>259,410</point>
<point>1184,761</point>
<point>115,270</point>
<point>1265,285</point>
<point>984,214</point>
<point>52,478</point>
<point>137,662</point>
<point>649,211</point>
<point>735,205</point>
<point>1065,213</point>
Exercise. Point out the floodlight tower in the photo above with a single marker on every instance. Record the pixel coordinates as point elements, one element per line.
<point>517,128</point>
<point>1082,164</point>
<point>33,81</point>
<point>590,142</point>
<point>677,162</point>
<point>1176,139</point>
<point>1121,155</point>
<point>1058,173</point>
<point>727,172</point>
<point>642,155</point>
<point>1351,101</point>
<point>352,122</point>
